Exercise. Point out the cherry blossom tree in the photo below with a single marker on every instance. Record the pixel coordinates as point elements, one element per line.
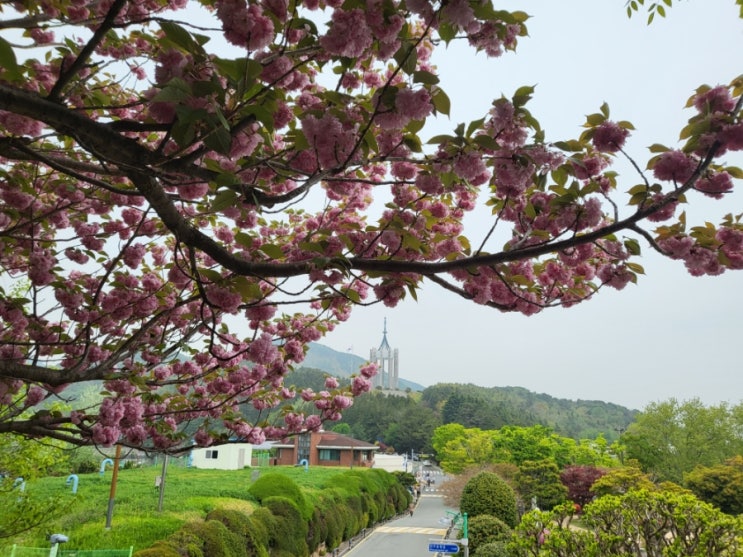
<point>188,198</point>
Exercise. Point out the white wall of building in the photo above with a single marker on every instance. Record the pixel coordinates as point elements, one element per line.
<point>390,462</point>
<point>223,457</point>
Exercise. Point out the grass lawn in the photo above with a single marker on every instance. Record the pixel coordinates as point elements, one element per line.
<point>189,494</point>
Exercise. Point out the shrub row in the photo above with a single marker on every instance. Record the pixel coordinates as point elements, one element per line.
<point>290,521</point>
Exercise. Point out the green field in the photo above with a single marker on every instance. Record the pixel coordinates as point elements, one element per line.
<point>189,494</point>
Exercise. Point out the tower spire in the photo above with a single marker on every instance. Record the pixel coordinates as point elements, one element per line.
<point>387,360</point>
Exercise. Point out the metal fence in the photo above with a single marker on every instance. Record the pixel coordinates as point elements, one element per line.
<point>17,551</point>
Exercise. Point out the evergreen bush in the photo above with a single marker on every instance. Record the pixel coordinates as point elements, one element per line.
<point>253,532</point>
<point>487,493</point>
<point>290,523</point>
<point>493,549</point>
<point>162,548</point>
<point>485,529</point>
<point>217,540</point>
<point>266,526</point>
<point>276,484</point>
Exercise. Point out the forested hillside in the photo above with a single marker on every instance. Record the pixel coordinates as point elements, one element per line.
<point>493,407</point>
<point>407,422</point>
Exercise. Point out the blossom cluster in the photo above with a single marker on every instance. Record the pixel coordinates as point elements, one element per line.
<point>183,231</point>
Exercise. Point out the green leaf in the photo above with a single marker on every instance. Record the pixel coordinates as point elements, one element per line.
<point>407,58</point>
<point>422,76</point>
<point>658,148</point>
<point>234,69</point>
<point>273,251</point>
<point>180,37</point>
<point>572,145</point>
<point>413,143</point>
<point>250,291</point>
<point>441,102</point>
<point>474,126</point>
<point>8,60</point>
<point>636,267</point>
<point>175,91</point>
<point>261,115</point>
<point>522,95</point>
<point>219,140</point>
<point>447,32</point>
<point>632,246</point>
<point>486,142</point>
<point>303,23</point>
<point>414,126</point>
<point>595,119</point>
<point>438,139</point>
<point>243,239</point>
<point>224,199</point>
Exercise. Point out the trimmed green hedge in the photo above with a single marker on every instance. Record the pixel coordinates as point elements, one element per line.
<point>291,521</point>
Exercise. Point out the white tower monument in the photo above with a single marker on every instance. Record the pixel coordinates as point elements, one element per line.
<point>387,360</point>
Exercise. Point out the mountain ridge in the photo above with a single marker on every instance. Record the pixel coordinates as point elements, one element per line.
<point>576,418</point>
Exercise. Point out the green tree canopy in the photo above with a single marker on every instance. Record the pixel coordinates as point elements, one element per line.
<point>671,438</point>
<point>488,494</point>
<point>720,485</point>
<point>540,481</point>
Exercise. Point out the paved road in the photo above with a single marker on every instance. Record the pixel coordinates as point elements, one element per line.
<point>408,536</point>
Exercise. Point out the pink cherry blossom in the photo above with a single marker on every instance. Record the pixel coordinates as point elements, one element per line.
<point>674,165</point>
<point>413,104</point>
<point>716,99</point>
<point>608,137</point>
<point>349,35</point>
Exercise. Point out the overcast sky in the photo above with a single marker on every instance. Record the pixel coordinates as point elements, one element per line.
<point>672,335</point>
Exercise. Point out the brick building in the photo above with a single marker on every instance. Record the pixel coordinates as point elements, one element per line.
<point>325,448</point>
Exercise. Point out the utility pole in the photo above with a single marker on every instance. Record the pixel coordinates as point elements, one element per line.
<point>112,493</point>
<point>162,483</point>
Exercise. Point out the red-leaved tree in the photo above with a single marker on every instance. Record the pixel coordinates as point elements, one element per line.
<point>579,479</point>
<point>186,201</point>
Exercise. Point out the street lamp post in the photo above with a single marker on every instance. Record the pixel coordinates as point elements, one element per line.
<point>56,539</point>
<point>461,518</point>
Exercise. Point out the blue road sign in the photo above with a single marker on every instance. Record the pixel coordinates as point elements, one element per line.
<point>436,547</point>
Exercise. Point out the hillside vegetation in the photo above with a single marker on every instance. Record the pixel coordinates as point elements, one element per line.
<point>195,497</point>
<point>407,422</point>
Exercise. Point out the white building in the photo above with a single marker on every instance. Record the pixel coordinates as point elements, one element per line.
<point>223,457</point>
<point>391,462</point>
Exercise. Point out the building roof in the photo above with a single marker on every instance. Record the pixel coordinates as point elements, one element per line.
<point>332,440</point>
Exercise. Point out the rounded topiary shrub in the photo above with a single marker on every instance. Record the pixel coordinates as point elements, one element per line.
<point>265,526</point>
<point>208,539</point>
<point>493,549</point>
<point>290,524</point>
<point>218,540</point>
<point>254,533</point>
<point>487,493</point>
<point>162,548</point>
<point>236,521</point>
<point>331,507</point>
<point>275,484</point>
<point>317,529</point>
<point>485,529</point>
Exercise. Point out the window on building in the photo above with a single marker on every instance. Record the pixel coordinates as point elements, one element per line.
<point>212,454</point>
<point>303,447</point>
<point>330,454</point>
